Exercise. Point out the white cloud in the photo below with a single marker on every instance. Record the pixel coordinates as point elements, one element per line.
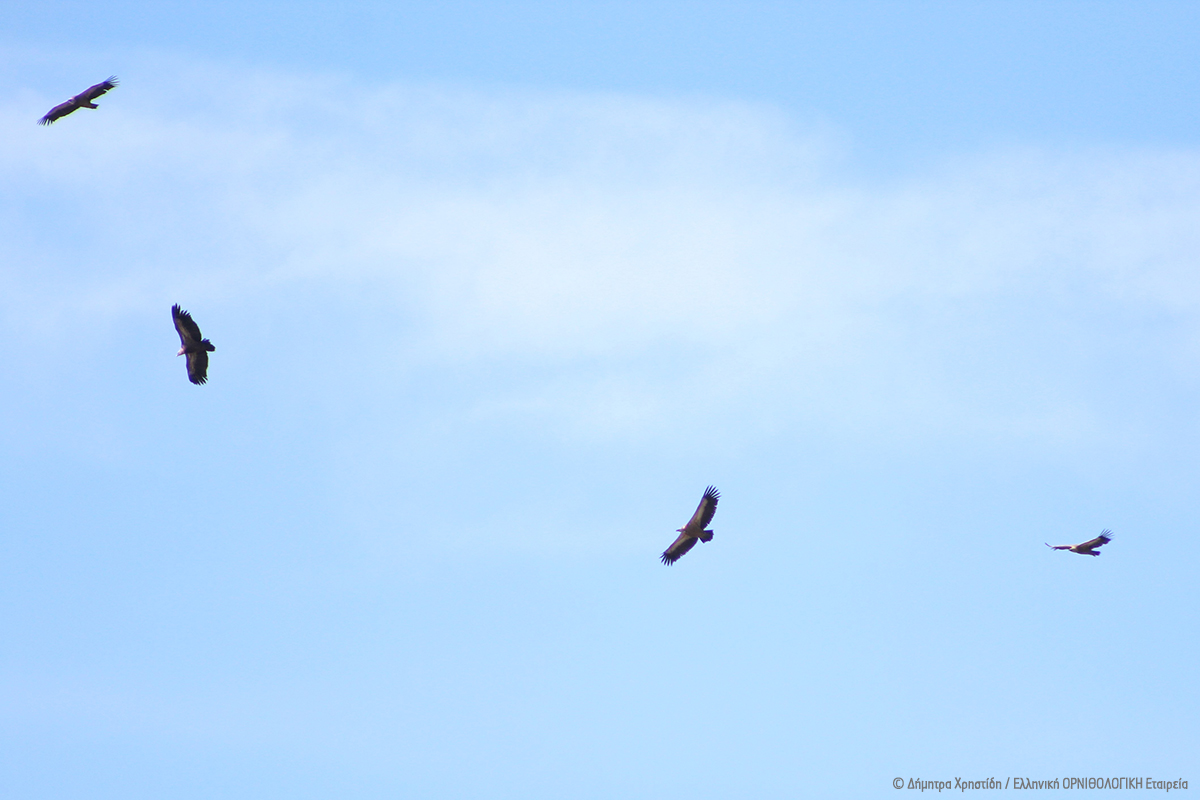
<point>645,250</point>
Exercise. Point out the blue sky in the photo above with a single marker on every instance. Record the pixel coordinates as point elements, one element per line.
<point>496,292</point>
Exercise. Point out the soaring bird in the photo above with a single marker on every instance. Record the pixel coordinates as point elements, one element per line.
<point>694,530</point>
<point>1087,548</point>
<point>193,346</point>
<point>82,100</point>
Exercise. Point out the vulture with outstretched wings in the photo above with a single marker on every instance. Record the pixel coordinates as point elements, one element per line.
<point>82,100</point>
<point>694,530</point>
<point>1088,548</point>
<point>193,346</point>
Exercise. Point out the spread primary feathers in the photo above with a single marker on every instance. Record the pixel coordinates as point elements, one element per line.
<point>82,100</point>
<point>193,345</point>
<point>1087,548</point>
<point>695,529</point>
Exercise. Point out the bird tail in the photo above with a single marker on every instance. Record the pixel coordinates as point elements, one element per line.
<point>208,345</point>
<point>705,536</point>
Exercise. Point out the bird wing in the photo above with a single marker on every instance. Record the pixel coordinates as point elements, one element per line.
<point>92,92</point>
<point>60,110</point>
<point>680,546</point>
<point>188,330</point>
<point>197,364</point>
<point>1104,538</point>
<point>704,511</point>
<point>1059,546</point>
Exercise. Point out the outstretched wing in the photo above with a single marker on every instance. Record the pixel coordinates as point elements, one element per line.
<point>60,110</point>
<point>92,92</point>
<point>83,98</point>
<point>704,511</point>
<point>1104,538</point>
<point>188,330</point>
<point>680,546</point>
<point>1058,546</point>
<point>197,364</point>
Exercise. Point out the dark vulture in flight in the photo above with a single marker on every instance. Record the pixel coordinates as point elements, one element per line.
<point>193,346</point>
<point>694,530</point>
<point>1088,548</point>
<point>82,100</point>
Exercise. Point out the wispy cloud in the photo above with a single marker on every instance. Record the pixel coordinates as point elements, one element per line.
<point>643,250</point>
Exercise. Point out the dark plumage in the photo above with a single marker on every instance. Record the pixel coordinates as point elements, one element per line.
<point>695,529</point>
<point>82,100</point>
<point>1088,548</point>
<point>195,347</point>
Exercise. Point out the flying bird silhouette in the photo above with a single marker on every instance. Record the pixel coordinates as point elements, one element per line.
<point>82,100</point>
<point>1087,548</point>
<point>694,530</point>
<point>193,346</point>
